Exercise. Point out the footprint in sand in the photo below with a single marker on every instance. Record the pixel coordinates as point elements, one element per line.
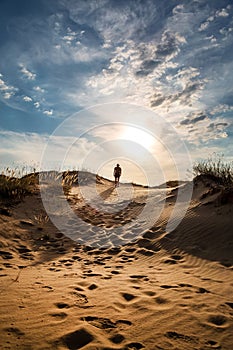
<point>213,344</point>
<point>7,265</point>
<point>162,303</point>
<point>80,299</point>
<point>138,277</point>
<point>179,336</point>
<point>92,286</point>
<point>59,315</point>
<point>62,305</point>
<point>106,323</point>
<point>6,255</point>
<point>14,330</point>
<point>25,252</point>
<point>77,339</point>
<point>128,297</point>
<point>50,289</point>
<point>219,321</point>
<point>117,338</point>
<point>99,322</point>
<point>149,293</point>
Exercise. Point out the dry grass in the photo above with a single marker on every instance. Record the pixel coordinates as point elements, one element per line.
<point>14,184</point>
<point>217,169</point>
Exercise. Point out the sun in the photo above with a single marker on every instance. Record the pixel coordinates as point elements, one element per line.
<point>139,136</point>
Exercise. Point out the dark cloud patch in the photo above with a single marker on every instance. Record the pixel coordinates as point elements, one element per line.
<point>193,120</point>
<point>157,100</point>
<point>183,96</point>
<point>148,66</point>
<point>213,126</point>
<point>167,48</point>
<point>168,45</point>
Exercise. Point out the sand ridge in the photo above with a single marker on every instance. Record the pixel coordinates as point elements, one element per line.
<point>158,291</point>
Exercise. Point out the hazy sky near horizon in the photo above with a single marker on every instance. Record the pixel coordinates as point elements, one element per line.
<point>58,57</point>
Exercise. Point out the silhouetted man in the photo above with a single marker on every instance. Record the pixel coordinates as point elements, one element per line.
<point>117,174</point>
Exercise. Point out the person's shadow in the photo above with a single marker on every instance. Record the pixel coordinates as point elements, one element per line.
<point>107,193</point>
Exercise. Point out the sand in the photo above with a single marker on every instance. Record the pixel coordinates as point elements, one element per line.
<point>161,290</point>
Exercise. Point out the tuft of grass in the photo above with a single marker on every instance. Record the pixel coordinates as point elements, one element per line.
<point>41,220</point>
<point>14,184</point>
<point>216,169</point>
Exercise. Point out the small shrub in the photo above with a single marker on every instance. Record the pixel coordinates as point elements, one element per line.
<point>215,168</point>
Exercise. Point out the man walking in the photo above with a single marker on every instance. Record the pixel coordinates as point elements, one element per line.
<point>117,174</point>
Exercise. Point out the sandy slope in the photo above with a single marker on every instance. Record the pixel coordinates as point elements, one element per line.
<point>164,291</point>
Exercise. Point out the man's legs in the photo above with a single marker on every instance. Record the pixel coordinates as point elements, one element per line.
<point>117,178</point>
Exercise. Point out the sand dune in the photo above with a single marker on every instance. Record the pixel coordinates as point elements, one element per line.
<point>156,290</point>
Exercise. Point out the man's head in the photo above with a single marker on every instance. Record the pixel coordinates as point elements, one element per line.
<point>118,164</point>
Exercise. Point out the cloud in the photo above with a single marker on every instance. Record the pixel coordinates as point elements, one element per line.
<point>203,26</point>
<point>27,73</point>
<point>187,95</point>
<point>222,13</point>
<point>110,18</point>
<point>195,118</point>
<point>169,45</point>
<point>38,89</point>
<point>6,90</point>
<point>8,95</point>
<point>198,128</point>
<point>48,112</point>
<point>218,14</point>
<point>27,99</point>
<point>30,149</point>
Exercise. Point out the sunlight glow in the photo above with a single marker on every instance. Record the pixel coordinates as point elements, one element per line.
<point>138,136</point>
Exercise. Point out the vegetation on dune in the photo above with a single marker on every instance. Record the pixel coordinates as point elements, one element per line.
<point>218,176</point>
<point>14,184</point>
<point>216,169</point>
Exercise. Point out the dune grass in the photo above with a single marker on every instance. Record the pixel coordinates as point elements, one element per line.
<point>15,183</point>
<point>217,169</point>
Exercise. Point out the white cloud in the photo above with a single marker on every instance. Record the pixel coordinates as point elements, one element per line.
<point>132,66</point>
<point>37,104</point>
<point>27,99</point>
<point>8,95</point>
<point>7,90</point>
<point>48,112</point>
<point>222,13</point>
<point>38,89</point>
<point>27,73</point>
<point>203,26</point>
<point>219,13</point>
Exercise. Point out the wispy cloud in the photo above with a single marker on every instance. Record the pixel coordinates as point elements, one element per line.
<point>31,146</point>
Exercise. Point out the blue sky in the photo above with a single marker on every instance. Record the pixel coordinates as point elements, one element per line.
<point>59,57</point>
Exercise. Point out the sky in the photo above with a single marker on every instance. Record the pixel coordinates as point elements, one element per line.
<point>86,84</point>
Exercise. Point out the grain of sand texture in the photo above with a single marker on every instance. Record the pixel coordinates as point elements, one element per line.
<point>159,291</point>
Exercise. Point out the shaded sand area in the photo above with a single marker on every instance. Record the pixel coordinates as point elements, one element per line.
<point>159,291</point>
